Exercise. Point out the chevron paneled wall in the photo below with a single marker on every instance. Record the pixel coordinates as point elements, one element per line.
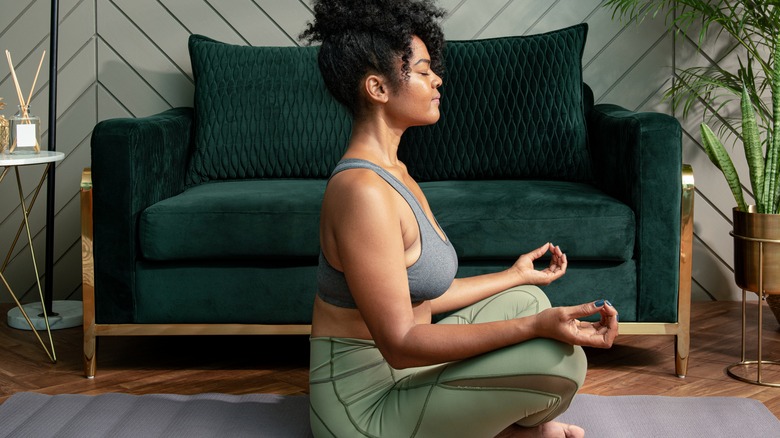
<point>128,58</point>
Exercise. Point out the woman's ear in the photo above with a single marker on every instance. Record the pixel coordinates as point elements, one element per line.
<point>376,88</point>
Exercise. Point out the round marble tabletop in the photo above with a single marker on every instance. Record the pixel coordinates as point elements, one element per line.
<point>23,158</point>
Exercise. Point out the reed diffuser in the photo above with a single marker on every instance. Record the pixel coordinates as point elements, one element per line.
<point>24,127</point>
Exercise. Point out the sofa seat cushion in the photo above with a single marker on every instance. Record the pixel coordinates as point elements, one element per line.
<point>504,219</point>
<point>486,220</point>
<point>235,220</point>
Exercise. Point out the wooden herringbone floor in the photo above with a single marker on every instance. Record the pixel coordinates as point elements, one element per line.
<point>255,364</point>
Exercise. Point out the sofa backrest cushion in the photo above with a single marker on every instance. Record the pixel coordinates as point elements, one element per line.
<point>512,107</point>
<point>262,112</point>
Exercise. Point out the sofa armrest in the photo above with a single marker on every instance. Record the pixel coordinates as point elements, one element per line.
<point>637,158</point>
<point>135,163</point>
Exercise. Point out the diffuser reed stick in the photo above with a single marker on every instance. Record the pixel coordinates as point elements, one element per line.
<point>16,82</point>
<point>35,80</point>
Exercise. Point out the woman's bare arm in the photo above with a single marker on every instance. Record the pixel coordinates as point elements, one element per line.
<point>469,290</point>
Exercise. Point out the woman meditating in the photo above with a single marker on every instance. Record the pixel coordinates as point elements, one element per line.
<point>504,360</point>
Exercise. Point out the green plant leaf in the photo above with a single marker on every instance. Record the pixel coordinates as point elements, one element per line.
<point>754,153</point>
<point>702,83</point>
<point>772,167</point>
<point>718,155</point>
<point>770,183</point>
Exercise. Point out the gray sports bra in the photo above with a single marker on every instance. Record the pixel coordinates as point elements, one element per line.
<point>429,277</point>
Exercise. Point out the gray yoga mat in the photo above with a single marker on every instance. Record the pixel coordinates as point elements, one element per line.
<point>264,415</point>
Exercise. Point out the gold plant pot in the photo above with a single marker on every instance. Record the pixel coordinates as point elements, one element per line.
<point>751,231</point>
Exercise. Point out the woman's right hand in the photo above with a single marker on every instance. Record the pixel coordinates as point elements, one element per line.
<point>527,273</point>
<point>563,324</point>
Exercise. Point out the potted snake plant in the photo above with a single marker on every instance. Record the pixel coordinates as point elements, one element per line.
<point>753,81</point>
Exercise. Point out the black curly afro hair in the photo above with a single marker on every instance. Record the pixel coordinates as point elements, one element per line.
<point>361,37</point>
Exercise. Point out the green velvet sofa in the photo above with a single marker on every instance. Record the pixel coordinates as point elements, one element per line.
<point>204,220</point>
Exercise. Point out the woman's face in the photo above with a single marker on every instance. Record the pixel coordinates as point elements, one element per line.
<point>416,101</point>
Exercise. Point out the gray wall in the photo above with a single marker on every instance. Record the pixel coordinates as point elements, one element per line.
<point>128,58</point>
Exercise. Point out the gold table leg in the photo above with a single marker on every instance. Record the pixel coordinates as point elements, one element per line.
<point>25,225</point>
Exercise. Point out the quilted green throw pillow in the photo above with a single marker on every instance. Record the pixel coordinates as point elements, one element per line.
<point>262,112</point>
<point>512,107</point>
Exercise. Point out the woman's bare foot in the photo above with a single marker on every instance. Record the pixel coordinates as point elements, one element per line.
<point>551,429</point>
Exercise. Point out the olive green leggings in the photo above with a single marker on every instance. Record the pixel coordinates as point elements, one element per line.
<point>355,393</point>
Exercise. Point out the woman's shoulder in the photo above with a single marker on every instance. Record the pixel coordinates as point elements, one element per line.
<point>355,179</point>
<point>358,186</point>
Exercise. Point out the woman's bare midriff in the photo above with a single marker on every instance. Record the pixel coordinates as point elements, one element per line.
<point>338,322</point>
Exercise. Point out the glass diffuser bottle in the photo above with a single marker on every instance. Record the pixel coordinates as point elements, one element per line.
<point>25,129</point>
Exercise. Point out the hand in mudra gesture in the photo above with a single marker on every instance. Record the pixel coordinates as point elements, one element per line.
<point>563,324</point>
<point>530,275</point>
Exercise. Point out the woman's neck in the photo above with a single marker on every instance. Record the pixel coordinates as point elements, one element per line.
<point>375,141</point>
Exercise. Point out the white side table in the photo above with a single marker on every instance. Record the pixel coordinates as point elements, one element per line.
<point>15,160</point>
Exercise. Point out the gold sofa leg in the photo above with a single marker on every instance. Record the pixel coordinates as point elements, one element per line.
<point>683,338</point>
<point>88,275</point>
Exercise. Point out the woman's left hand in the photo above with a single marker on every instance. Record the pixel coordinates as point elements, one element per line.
<point>528,273</point>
